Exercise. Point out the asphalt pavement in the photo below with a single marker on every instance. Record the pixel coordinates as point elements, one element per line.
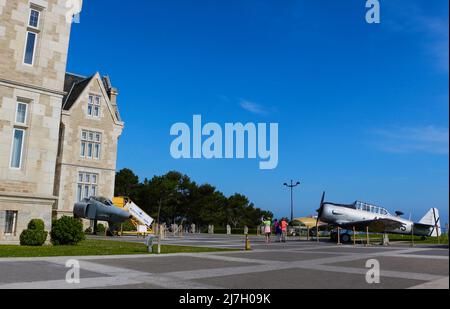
<point>297,264</point>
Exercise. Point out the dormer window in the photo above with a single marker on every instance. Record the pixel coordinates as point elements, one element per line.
<point>93,109</point>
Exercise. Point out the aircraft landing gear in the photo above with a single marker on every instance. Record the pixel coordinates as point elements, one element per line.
<point>345,237</point>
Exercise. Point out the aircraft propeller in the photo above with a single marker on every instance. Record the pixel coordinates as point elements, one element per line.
<point>320,210</point>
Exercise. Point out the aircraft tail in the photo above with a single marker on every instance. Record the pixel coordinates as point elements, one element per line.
<point>434,221</point>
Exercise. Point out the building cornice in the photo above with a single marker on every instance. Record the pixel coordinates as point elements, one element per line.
<point>87,167</point>
<point>20,197</point>
<point>25,86</point>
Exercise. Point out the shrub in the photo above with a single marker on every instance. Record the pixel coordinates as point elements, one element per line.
<point>67,231</point>
<point>33,238</point>
<point>127,226</point>
<point>88,230</point>
<point>35,235</point>
<point>36,224</point>
<point>100,229</point>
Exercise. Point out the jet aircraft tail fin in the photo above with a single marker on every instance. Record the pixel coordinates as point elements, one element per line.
<point>433,220</point>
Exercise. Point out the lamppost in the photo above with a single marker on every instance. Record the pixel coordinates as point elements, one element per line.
<point>292,186</point>
<point>161,199</point>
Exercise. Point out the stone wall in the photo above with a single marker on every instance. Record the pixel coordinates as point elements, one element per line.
<point>36,175</point>
<point>30,189</point>
<point>49,67</point>
<point>28,208</point>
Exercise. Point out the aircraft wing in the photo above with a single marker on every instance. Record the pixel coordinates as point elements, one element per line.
<point>375,226</point>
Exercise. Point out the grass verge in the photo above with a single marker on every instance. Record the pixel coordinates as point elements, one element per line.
<point>96,247</point>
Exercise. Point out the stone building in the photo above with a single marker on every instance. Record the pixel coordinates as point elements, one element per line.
<point>89,130</point>
<point>58,131</point>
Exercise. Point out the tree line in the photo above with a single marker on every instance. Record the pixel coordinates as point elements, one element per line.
<point>175,198</point>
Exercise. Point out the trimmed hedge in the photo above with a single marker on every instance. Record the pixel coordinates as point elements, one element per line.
<point>36,224</point>
<point>33,238</point>
<point>35,235</point>
<point>67,231</point>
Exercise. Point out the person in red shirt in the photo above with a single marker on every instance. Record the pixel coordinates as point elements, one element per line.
<point>284,228</point>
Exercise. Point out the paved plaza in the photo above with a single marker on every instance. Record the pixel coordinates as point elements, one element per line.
<point>293,265</point>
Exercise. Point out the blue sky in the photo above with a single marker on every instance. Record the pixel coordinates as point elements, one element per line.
<point>362,109</point>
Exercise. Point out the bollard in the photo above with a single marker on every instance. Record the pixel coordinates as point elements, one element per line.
<point>317,233</point>
<point>247,243</point>
<point>339,236</point>
<point>159,243</point>
<point>367,235</point>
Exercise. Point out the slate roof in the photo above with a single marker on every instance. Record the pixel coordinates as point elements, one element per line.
<point>74,85</point>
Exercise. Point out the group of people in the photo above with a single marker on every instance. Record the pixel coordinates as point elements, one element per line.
<point>280,227</point>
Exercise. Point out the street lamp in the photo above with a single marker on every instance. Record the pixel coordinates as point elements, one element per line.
<point>292,186</point>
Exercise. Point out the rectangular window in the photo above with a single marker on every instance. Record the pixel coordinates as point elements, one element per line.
<point>86,186</point>
<point>30,48</point>
<point>91,144</point>
<point>89,152</point>
<point>79,193</point>
<point>17,148</point>
<point>97,151</point>
<point>94,106</point>
<point>21,113</point>
<point>10,222</point>
<point>83,148</point>
<point>34,19</point>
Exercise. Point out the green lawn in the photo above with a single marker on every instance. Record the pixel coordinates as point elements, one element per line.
<point>419,240</point>
<point>95,247</point>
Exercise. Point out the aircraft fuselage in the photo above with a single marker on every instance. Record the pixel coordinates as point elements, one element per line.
<point>343,217</point>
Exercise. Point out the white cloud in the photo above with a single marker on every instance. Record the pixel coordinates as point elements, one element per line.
<point>427,139</point>
<point>411,18</point>
<point>253,107</point>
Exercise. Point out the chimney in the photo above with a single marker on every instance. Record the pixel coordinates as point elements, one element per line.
<point>112,91</point>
